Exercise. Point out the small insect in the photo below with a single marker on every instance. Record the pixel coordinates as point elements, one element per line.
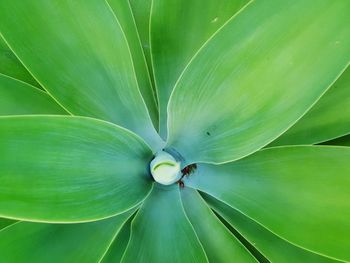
<point>187,171</point>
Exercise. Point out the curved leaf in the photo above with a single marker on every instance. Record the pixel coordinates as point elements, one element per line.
<point>273,247</point>
<point>257,76</point>
<point>69,169</point>
<point>116,250</point>
<point>300,193</point>
<point>122,11</point>
<point>84,60</point>
<point>160,231</point>
<point>11,66</point>
<point>328,119</point>
<point>19,98</point>
<point>42,243</point>
<point>219,244</point>
<point>178,29</point>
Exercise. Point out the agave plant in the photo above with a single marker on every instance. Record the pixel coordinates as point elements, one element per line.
<point>174,131</point>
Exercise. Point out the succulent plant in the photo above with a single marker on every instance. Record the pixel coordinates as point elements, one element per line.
<point>174,131</point>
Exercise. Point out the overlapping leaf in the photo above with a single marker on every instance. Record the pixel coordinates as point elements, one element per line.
<point>78,52</point>
<point>178,29</point>
<point>219,244</point>
<point>299,193</point>
<point>161,232</point>
<point>57,243</point>
<point>328,119</point>
<point>19,98</point>
<point>69,169</point>
<point>257,76</point>
<point>273,247</point>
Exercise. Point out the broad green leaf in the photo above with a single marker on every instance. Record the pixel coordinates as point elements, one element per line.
<point>79,53</point>
<point>122,11</point>
<point>11,66</point>
<point>19,98</point>
<point>161,232</point>
<point>141,10</point>
<point>219,244</point>
<point>4,222</point>
<point>341,141</point>
<point>257,76</point>
<point>116,250</point>
<point>57,243</point>
<point>328,119</point>
<point>69,169</point>
<point>273,247</point>
<point>178,30</point>
<point>300,193</point>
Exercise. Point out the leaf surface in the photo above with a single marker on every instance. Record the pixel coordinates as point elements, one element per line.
<point>11,66</point>
<point>19,98</point>
<point>69,169</point>
<point>273,247</point>
<point>328,119</point>
<point>299,193</point>
<point>219,244</point>
<point>57,243</point>
<point>257,76</point>
<point>84,60</point>
<point>117,248</point>
<point>123,13</point>
<point>161,232</point>
<point>178,29</point>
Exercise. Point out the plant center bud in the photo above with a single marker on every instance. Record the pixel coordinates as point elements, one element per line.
<point>165,169</point>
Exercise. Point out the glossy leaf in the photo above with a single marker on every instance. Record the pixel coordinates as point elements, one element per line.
<point>69,169</point>
<point>11,66</point>
<point>257,76</point>
<point>123,13</point>
<point>116,250</point>
<point>299,193</point>
<point>84,59</point>
<point>19,98</point>
<point>56,243</point>
<point>328,119</point>
<point>273,247</point>
<point>178,29</point>
<point>161,232</point>
<point>219,244</point>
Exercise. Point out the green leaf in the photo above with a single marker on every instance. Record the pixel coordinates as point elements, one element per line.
<point>57,243</point>
<point>219,244</point>
<point>257,76</point>
<point>341,141</point>
<point>11,66</point>
<point>4,222</point>
<point>299,193</point>
<point>19,98</point>
<point>273,247</point>
<point>122,11</point>
<point>116,250</point>
<point>328,119</point>
<point>141,10</point>
<point>178,30</point>
<point>161,232</point>
<point>69,169</point>
<point>84,60</point>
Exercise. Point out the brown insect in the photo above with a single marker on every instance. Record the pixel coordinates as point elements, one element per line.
<point>187,171</point>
